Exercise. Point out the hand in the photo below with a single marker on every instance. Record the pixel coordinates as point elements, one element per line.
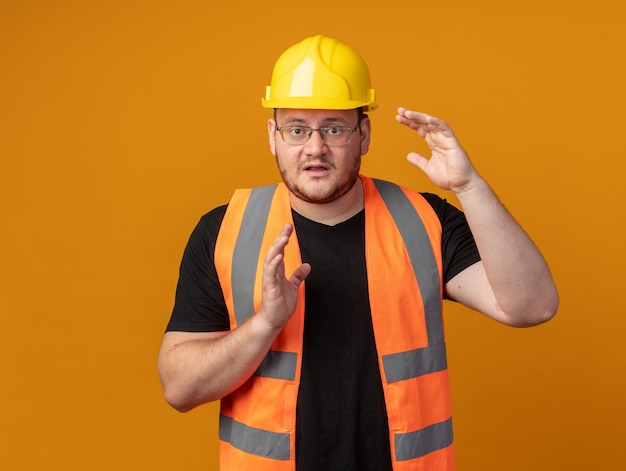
<point>279,295</point>
<point>449,166</point>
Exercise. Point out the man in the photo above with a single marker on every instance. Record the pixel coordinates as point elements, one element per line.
<point>325,344</point>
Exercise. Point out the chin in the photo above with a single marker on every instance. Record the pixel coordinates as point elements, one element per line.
<point>322,197</point>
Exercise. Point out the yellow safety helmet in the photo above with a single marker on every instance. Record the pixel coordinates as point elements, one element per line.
<point>320,73</point>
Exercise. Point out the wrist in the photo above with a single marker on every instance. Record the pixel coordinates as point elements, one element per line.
<point>475,185</point>
<point>264,327</point>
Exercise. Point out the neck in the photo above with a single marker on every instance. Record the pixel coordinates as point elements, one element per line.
<point>334,212</point>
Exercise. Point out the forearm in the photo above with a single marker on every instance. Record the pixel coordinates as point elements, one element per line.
<point>516,270</point>
<point>199,368</point>
<point>196,369</point>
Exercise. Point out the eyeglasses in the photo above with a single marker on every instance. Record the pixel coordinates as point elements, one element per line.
<point>331,135</point>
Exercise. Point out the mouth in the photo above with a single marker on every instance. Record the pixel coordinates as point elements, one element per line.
<point>316,167</point>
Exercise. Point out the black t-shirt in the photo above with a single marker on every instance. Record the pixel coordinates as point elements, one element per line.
<point>341,414</point>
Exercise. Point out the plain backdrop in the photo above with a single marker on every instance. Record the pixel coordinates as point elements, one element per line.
<point>122,122</point>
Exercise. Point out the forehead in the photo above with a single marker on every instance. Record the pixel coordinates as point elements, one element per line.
<point>284,115</point>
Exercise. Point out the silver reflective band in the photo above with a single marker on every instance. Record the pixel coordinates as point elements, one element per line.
<point>414,363</point>
<point>414,445</point>
<point>278,365</point>
<point>247,250</point>
<point>255,441</point>
<point>421,254</point>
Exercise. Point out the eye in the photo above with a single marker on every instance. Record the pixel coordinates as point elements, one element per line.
<point>296,131</point>
<point>333,130</point>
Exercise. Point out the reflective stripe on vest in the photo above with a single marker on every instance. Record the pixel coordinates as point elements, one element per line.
<point>406,365</point>
<point>255,441</point>
<point>414,363</point>
<point>422,442</point>
<point>247,250</point>
<point>398,367</point>
<point>279,365</point>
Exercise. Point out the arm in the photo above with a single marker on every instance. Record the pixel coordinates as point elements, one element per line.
<point>196,368</point>
<point>512,284</point>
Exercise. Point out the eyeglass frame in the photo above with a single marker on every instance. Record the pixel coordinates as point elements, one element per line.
<point>320,131</point>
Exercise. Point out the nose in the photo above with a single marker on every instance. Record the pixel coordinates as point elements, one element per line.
<point>315,145</point>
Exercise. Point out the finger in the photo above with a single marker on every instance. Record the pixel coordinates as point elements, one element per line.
<point>416,119</point>
<point>284,232</point>
<point>300,274</point>
<point>274,268</point>
<point>411,114</point>
<point>404,117</point>
<point>275,250</point>
<point>287,230</point>
<point>280,243</point>
<point>274,271</point>
<point>418,160</point>
<point>422,127</point>
<point>416,116</point>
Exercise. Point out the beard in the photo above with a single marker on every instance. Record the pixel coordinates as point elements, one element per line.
<point>339,189</point>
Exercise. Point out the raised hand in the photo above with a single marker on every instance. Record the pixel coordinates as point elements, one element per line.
<point>280,294</point>
<point>449,166</point>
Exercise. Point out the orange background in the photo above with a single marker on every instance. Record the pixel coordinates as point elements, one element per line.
<point>122,122</point>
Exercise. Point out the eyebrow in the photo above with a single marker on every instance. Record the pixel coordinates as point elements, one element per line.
<point>331,120</point>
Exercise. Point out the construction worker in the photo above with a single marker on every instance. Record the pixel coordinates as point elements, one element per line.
<point>313,308</point>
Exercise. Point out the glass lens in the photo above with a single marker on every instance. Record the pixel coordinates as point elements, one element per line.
<point>295,134</point>
<point>332,135</point>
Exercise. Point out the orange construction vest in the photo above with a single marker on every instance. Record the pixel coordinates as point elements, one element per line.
<point>403,258</point>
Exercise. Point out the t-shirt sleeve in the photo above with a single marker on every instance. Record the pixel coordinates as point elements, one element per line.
<point>459,249</point>
<point>199,304</point>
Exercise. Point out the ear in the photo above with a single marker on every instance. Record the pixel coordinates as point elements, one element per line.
<point>271,132</point>
<point>366,132</point>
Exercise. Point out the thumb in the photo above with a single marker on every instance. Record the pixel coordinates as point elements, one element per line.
<point>300,274</point>
<point>418,160</point>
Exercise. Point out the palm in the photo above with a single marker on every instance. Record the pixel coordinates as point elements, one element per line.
<point>280,294</point>
<point>448,166</point>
